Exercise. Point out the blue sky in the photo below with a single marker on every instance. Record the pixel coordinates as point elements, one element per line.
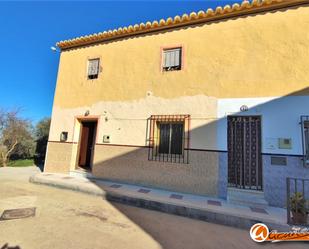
<point>28,29</point>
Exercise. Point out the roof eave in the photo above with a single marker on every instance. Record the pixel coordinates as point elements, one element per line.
<point>210,15</point>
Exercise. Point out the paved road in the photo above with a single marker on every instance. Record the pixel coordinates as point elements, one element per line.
<point>66,219</point>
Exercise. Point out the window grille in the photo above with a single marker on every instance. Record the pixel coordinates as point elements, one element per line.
<point>172,59</point>
<point>304,121</point>
<point>93,68</point>
<point>168,138</point>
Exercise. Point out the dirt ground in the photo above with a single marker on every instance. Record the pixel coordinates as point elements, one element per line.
<point>66,219</point>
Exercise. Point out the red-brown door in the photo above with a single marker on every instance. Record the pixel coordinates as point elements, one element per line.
<point>87,142</point>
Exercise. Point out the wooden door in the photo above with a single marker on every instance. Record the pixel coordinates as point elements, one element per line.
<point>87,142</point>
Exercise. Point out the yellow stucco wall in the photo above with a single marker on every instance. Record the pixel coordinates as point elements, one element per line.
<point>261,55</point>
<point>254,56</point>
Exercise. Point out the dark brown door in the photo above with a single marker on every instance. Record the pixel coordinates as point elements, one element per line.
<point>87,144</point>
<point>244,152</point>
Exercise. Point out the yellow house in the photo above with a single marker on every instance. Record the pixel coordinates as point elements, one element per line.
<point>209,103</point>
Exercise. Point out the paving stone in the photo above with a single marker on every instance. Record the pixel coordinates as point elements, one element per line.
<point>215,203</point>
<point>144,191</point>
<point>258,210</point>
<point>115,186</point>
<point>175,196</point>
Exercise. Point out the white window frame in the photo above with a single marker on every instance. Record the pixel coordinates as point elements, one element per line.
<point>172,59</point>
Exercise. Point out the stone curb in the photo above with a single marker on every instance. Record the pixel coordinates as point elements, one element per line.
<point>189,212</point>
<point>74,187</point>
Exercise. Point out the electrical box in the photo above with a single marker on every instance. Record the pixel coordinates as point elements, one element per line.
<point>63,136</point>
<point>106,139</point>
<point>285,143</point>
<point>278,160</point>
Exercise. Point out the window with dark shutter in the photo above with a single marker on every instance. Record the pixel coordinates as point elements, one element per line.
<point>164,142</point>
<point>172,59</point>
<point>169,138</point>
<point>93,68</point>
<point>176,139</point>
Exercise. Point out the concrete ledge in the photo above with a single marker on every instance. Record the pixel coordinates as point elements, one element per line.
<point>92,190</point>
<point>129,196</point>
<point>194,213</point>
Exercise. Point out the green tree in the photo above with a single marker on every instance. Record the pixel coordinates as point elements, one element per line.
<point>16,140</point>
<point>41,134</point>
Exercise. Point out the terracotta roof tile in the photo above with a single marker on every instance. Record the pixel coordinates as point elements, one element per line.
<point>246,7</point>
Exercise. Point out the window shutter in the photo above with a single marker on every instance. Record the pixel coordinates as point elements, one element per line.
<point>164,138</point>
<point>167,59</point>
<point>177,136</point>
<point>172,57</point>
<point>176,54</point>
<point>93,67</point>
<point>168,138</point>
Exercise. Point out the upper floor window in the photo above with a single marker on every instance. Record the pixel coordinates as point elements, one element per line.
<point>172,59</point>
<point>93,68</point>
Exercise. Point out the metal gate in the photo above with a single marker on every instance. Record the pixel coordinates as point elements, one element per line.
<point>297,201</point>
<point>244,152</point>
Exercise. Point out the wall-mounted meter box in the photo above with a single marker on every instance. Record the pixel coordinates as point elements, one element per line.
<point>63,136</point>
<point>285,143</point>
<point>106,139</point>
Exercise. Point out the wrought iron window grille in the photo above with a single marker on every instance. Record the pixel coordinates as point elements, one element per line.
<point>169,138</point>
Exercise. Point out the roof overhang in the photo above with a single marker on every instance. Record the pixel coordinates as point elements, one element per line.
<point>245,8</point>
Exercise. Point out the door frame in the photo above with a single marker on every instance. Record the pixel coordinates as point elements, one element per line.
<point>261,174</point>
<point>78,121</point>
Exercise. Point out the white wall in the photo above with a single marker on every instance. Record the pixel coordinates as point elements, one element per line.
<point>126,121</point>
<point>280,119</point>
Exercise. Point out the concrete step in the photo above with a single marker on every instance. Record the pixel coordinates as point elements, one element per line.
<point>246,197</point>
<point>191,206</point>
<point>81,174</point>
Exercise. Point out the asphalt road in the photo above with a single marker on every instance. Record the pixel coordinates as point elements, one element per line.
<point>65,219</point>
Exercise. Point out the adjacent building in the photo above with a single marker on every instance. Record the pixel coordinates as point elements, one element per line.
<point>211,103</point>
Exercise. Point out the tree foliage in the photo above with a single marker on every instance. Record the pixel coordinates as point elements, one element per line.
<point>41,134</point>
<point>16,139</point>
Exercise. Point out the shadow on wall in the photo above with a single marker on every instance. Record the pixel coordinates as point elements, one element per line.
<point>205,167</point>
<point>275,112</point>
<point>206,173</point>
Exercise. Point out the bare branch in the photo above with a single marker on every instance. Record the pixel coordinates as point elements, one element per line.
<point>11,149</point>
